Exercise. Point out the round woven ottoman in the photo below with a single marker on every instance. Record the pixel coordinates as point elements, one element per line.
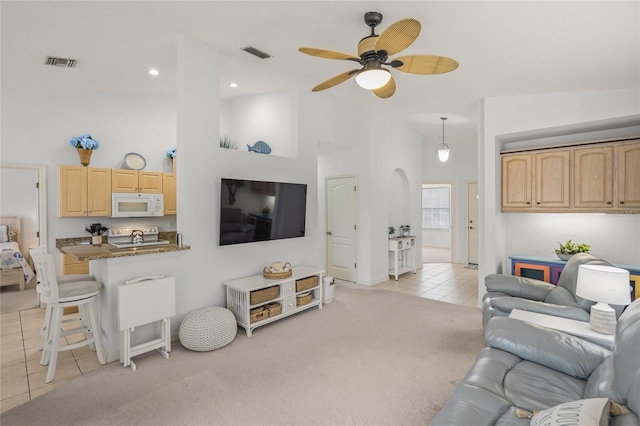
<point>207,329</point>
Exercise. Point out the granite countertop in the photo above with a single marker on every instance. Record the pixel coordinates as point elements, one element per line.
<point>81,248</point>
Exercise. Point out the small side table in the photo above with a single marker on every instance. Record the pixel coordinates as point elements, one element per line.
<point>401,248</point>
<point>577,328</point>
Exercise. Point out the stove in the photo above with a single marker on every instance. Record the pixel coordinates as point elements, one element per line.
<point>121,237</point>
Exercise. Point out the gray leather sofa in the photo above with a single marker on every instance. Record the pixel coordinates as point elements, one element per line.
<point>507,292</point>
<point>531,368</point>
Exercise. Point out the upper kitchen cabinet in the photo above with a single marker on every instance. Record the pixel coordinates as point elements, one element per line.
<point>535,181</point>
<point>516,181</point>
<point>552,179</point>
<point>125,180</point>
<point>169,191</point>
<point>591,177</point>
<point>84,191</point>
<point>628,162</point>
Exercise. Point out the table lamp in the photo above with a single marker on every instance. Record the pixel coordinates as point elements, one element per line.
<point>603,285</point>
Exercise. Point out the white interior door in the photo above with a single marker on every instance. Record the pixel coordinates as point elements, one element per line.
<point>341,228</point>
<point>472,222</point>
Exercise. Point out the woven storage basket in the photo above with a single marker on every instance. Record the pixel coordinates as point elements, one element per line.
<point>274,309</point>
<point>276,275</point>
<point>303,300</point>
<point>258,314</point>
<point>307,283</point>
<point>259,296</point>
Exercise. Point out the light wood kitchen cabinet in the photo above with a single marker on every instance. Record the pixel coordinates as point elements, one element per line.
<point>552,179</point>
<point>125,180</point>
<point>589,177</point>
<point>593,177</point>
<point>516,181</point>
<point>535,181</point>
<point>169,191</point>
<point>72,266</point>
<point>628,156</point>
<point>84,191</point>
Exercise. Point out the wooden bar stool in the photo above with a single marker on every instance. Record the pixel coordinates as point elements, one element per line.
<point>82,294</point>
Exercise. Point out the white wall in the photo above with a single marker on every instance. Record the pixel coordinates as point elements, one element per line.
<point>265,118</point>
<point>393,145</point>
<point>363,143</point>
<point>501,233</point>
<point>462,167</point>
<point>608,235</point>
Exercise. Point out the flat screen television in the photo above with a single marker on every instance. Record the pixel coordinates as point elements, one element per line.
<point>252,210</point>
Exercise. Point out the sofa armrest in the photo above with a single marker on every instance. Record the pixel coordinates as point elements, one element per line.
<point>561,352</point>
<point>507,304</point>
<point>527,288</point>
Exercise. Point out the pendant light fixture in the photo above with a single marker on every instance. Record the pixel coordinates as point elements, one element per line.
<point>443,151</point>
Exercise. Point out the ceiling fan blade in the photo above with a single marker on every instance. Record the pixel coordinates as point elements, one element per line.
<point>398,36</point>
<point>387,90</point>
<point>334,81</point>
<point>425,64</point>
<point>328,54</point>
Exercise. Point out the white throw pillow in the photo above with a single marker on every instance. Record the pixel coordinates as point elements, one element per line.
<point>583,412</point>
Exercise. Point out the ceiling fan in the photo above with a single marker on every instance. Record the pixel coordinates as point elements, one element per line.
<point>374,51</point>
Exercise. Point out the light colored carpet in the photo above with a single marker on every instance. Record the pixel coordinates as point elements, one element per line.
<point>371,357</point>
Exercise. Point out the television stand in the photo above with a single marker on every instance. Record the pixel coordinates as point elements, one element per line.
<point>292,296</point>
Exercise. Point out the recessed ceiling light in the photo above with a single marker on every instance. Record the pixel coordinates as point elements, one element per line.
<point>154,72</point>
<point>233,85</point>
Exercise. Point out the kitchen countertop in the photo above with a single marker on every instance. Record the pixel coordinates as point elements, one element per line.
<point>81,249</point>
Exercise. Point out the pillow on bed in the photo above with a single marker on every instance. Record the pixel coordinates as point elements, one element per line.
<point>6,234</point>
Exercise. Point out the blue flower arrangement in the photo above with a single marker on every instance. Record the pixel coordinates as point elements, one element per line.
<point>84,142</point>
<point>172,153</point>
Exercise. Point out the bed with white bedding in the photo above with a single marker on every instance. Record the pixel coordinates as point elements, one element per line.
<point>14,269</point>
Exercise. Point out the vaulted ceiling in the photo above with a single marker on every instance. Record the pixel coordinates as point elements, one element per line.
<point>504,48</point>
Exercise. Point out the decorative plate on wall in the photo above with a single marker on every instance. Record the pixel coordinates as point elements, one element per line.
<point>135,161</point>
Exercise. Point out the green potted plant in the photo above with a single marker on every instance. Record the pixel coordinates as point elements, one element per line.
<point>392,231</point>
<point>565,251</point>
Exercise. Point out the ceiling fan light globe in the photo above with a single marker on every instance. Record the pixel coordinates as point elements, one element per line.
<point>443,153</point>
<point>373,78</point>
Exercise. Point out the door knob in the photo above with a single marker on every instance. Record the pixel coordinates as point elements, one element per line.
<point>471,227</point>
<point>329,233</point>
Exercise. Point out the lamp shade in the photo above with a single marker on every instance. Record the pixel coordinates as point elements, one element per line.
<point>443,152</point>
<point>603,284</point>
<point>373,78</point>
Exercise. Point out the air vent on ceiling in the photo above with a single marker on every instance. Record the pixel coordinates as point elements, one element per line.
<point>256,52</point>
<point>61,62</point>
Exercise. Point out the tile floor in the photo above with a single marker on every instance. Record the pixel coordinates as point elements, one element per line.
<point>447,282</point>
<point>22,376</point>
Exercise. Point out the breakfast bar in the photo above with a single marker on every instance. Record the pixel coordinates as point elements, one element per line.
<point>113,266</point>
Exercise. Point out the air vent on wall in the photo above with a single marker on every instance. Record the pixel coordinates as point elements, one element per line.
<point>61,62</point>
<point>256,52</point>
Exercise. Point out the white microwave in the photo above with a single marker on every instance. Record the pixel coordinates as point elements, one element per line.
<point>125,204</point>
